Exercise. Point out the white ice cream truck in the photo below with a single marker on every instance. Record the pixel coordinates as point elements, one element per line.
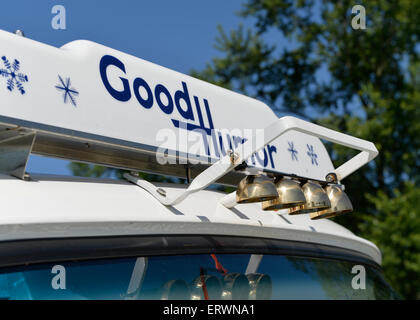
<point>82,238</point>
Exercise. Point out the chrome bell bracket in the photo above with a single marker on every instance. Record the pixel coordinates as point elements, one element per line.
<point>272,132</point>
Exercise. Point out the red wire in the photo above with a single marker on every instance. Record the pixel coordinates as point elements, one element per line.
<point>203,285</point>
<point>219,266</point>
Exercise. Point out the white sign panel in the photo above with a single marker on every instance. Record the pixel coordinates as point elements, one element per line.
<point>90,88</point>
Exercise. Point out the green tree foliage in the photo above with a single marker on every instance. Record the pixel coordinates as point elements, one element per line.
<point>396,228</point>
<point>88,170</point>
<point>303,57</point>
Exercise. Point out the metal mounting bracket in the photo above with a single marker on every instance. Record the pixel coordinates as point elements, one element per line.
<point>15,147</point>
<point>272,132</point>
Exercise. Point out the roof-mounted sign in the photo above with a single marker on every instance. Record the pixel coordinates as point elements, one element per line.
<point>91,103</point>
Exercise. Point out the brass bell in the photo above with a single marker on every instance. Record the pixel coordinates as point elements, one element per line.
<point>340,204</point>
<point>256,189</point>
<point>212,285</point>
<point>290,195</point>
<point>316,199</point>
<point>261,287</point>
<point>176,290</point>
<point>236,287</point>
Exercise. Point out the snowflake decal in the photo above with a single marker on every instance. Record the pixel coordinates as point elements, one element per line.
<point>69,94</point>
<point>293,151</point>
<point>312,154</point>
<point>15,79</point>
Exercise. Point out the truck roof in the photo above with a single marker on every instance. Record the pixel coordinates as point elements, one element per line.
<point>47,207</point>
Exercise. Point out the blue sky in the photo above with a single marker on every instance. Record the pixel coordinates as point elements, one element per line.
<point>176,34</point>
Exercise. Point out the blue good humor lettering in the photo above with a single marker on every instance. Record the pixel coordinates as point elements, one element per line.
<point>168,103</point>
<point>160,91</point>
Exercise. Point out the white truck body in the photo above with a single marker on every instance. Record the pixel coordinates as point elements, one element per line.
<point>89,103</point>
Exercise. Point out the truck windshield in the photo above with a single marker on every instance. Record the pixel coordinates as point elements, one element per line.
<point>197,276</point>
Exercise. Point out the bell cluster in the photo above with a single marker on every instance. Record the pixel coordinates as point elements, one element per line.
<point>324,200</point>
<point>232,286</point>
